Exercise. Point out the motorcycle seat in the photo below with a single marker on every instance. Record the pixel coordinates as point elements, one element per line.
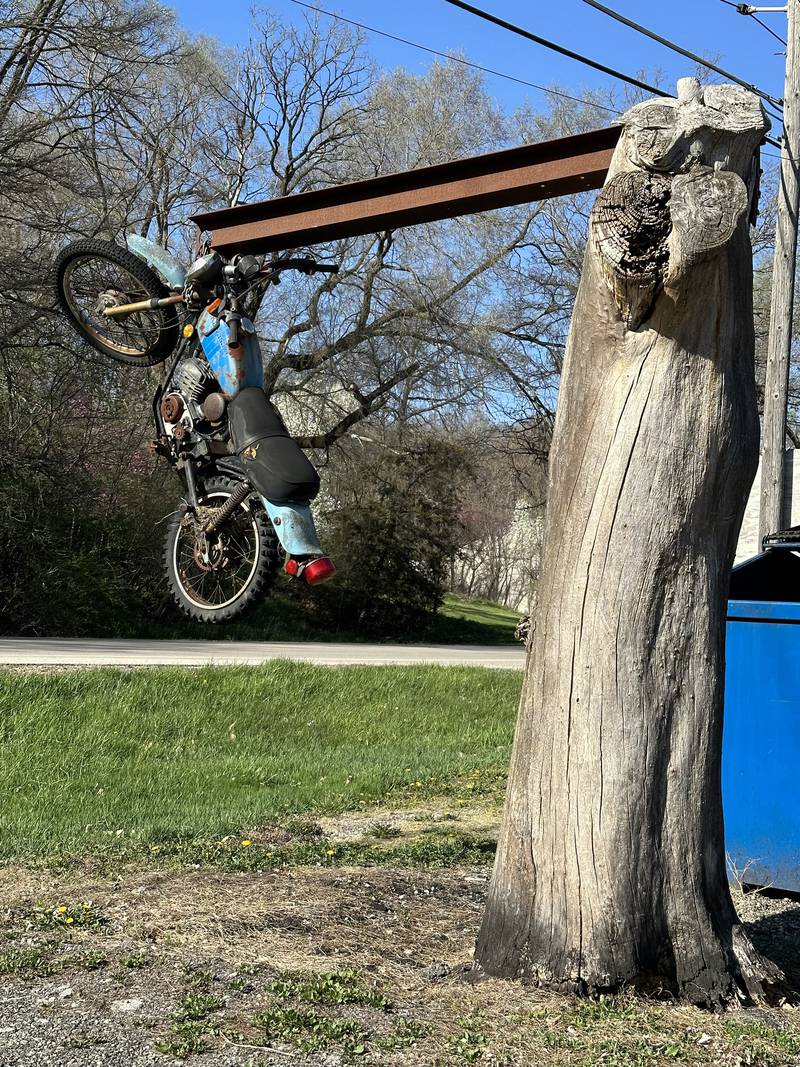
<point>274,462</point>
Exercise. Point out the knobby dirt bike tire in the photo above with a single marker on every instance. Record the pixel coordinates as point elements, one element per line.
<point>268,563</point>
<point>166,318</point>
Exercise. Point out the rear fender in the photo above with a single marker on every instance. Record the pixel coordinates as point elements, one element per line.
<point>293,523</point>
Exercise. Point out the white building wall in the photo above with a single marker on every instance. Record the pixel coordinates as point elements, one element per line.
<point>748,540</point>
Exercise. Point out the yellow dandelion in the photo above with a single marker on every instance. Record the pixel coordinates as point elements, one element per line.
<point>62,909</point>
<point>69,919</point>
<point>331,852</point>
<point>246,843</point>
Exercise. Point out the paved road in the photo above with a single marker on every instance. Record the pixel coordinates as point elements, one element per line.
<point>90,652</point>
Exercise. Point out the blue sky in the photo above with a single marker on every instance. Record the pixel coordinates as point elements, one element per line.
<point>709,27</point>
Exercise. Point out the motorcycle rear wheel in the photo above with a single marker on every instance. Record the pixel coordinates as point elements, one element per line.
<point>93,275</point>
<point>238,568</point>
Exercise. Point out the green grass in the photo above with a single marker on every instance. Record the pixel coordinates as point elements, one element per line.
<point>196,1006</point>
<point>83,915</point>
<point>105,760</point>
<point>309,1031</point>
<point>229,853</point>
<point>335,987</point>
<point>476,622</point>
<point>43,961</point>
<point>185,1040</point>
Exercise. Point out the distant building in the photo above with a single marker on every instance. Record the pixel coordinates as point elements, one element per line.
<point>748,539</point>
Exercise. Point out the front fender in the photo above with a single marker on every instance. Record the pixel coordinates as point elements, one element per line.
<point>162,261</point>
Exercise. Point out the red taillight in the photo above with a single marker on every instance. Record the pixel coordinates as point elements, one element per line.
<point>319,570</point>
<point>291,566</point>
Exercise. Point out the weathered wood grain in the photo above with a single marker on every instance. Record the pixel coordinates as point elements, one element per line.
<point>611,866</point>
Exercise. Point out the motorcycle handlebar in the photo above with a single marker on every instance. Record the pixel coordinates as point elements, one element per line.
<point>305,266</point>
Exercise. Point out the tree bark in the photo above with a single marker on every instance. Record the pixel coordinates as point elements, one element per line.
<point>611,865</point>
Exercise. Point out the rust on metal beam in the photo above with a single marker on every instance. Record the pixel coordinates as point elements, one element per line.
<point>499,179</point>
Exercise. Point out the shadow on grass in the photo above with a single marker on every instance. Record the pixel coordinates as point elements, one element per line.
<point>287,617</point>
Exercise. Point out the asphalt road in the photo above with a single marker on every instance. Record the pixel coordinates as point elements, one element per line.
<point>134,653</point>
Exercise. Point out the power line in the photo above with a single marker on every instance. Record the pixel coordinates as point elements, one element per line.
<point>457,59</point>
<point>683,51</point>
<point>755,17</point>
<point>695,58</point>
<point>769,29</point>
<point>555,47</point>
<point>599,66</point>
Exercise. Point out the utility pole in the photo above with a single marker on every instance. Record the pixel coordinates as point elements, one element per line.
<point>776,383</point>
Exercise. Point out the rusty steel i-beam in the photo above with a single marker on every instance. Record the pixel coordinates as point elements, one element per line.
<point>464,186</point>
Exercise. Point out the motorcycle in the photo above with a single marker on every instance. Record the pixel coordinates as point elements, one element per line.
<point>249,485</point>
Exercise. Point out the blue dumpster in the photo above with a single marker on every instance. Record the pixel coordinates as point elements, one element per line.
<point>761,742</point>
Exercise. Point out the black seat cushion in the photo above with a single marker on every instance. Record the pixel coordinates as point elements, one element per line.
<point>275,463</point>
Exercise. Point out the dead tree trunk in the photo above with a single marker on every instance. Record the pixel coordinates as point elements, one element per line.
<point>611,866</point>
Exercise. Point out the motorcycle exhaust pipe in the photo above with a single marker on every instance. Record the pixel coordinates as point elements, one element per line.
<point>142,305</point>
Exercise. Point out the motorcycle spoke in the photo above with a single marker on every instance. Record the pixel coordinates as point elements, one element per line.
<point>215,585</point>
<point>91,282</point>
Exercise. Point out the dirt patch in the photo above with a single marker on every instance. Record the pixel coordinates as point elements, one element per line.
<point>478,818</point>
<point>376,919</point>
<point>162,964</point>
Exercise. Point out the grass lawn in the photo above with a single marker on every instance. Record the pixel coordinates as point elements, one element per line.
<point>479,620</point>
<point>104,758</point>
<point>346,935</point>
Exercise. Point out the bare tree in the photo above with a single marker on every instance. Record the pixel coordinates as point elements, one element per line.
<point>112,119</point>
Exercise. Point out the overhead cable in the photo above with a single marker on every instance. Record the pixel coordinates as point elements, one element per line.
<point>742,9</point>
<point>458,59</point>
<point>769,29</point>
<point>556,47</point>
<point>683,52</point>
<point>590,62</point>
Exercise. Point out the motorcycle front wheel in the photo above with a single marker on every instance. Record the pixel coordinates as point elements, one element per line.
<point>92,276</point>
<point>219,577</point>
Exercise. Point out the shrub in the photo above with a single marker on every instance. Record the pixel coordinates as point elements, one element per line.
<point>392,531</point>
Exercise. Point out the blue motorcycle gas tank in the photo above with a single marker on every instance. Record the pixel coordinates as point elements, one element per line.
<point>234,368</point>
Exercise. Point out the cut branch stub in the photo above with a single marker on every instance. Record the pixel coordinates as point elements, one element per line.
<point>630,228</point>
<point>705,209</point>
<point>655,141</point>
<point>675,192</point>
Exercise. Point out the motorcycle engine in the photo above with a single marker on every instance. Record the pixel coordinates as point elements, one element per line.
<point>194,381</point>
<point>182,407</point>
